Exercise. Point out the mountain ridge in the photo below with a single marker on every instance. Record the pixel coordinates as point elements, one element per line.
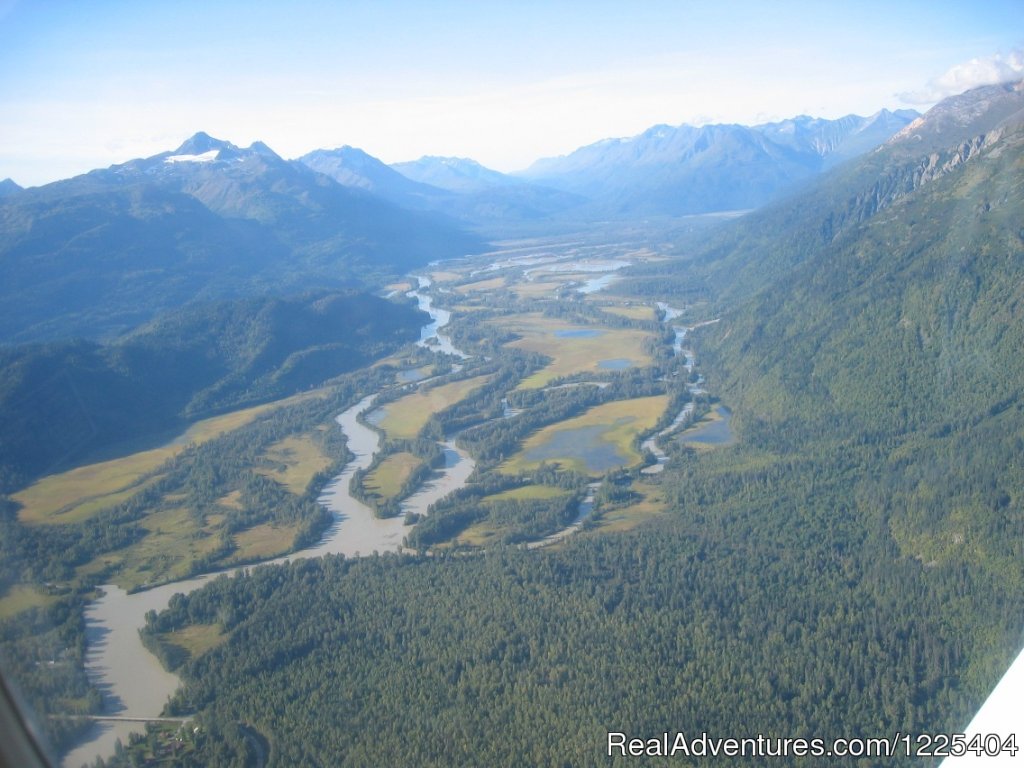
<point>95,254</point>
<point>60,401</point>
<point>455,174</point>
<point>701,169</point>
<point>462,189</point>
<point>735,261</point>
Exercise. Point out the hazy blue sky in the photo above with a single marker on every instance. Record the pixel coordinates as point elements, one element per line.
<point>84,84</point>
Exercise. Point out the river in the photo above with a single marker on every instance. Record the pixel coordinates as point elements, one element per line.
<point>685,415</point>
<point>429,336</point>
<point>132,680</point>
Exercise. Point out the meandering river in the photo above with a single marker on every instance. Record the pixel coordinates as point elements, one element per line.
<point>685,415</point>
<point>132,680</point>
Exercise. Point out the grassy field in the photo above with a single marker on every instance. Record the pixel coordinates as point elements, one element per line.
<point>263,541</point>
<point>573,354</point>
<point>482,285</point>
<point>405,417</point>
<point>173,540</point>
<point>445,276</point>
<point>633,312</point>
<point>196,639</point>
<point>78,494</point>
<point>297,458</point>
<point>537,289</point>
<point>650,505</point>
<point>21,597</point>
<point>385,481</point>
<point>592,442</point>
<point>479,535</point>
<point>527,492</point>
<point>231,500</point>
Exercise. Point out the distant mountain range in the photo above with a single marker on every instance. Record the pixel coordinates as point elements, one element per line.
<point>460,188</point>
<point>97,254</point>
<point>787,233</point>
<point>687,170</point>
<point>453,173</point>
<point>664,171</point>
<point>8,187</point>
<point>354,168</point>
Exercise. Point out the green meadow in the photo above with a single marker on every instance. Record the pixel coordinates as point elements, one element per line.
<point>78,494</point>
<point>648,502</point>
<point>404,418</point>
<point>21,597</point>
<point>386,479</point>
<point>173,539</point>
<point>296,459</point>
<point>533,491</point>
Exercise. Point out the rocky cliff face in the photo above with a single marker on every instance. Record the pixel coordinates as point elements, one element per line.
<point>906,180</point>
<point>972,113</point>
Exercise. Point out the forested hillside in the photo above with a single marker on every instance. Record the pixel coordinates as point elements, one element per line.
<point>98,254</point>
<point>63,401</point>
<point>762,247</point>
<point>903,334</point>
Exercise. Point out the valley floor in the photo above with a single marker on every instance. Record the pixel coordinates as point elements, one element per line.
<point>555,403</point>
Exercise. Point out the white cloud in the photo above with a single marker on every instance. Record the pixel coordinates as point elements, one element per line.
<point>971,74</point>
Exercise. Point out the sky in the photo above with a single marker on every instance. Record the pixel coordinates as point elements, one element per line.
<point>85,85</point>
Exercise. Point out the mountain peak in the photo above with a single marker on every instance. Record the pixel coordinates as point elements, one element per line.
<point>452,173</point>
<point>354,168</point>
<point>259,148</point>
<point>972,113</point>
<point>346,153</point>
<point>450,162</point>
<point>201,143</point>
<point>201,148</point>
<point>9,187</point>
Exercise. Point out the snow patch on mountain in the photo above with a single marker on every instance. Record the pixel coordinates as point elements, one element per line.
<point>205,157</point>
